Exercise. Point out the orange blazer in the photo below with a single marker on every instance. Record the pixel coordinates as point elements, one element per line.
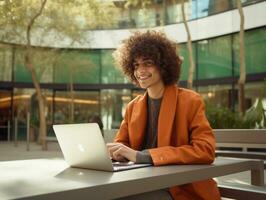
<point>184,137</point>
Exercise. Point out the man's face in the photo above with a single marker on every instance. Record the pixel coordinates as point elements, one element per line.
<point>146,72</point>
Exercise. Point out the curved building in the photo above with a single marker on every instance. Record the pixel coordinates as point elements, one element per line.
<point>81,80</point>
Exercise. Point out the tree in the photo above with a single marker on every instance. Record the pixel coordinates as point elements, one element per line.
<point>30,67</point>
<point>74,64</point>
<point>189,48</point>
<point>29,20</point>
<point>242,63</point>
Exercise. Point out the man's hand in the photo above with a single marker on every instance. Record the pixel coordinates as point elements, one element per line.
<point>121,152</point>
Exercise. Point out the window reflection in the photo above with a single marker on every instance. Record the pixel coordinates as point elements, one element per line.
<point>25,101</point>
<point>217,95</point>
<point>5,62</point>
<point>77,108</point>
<point>113,105</point>
<point>5,113</point>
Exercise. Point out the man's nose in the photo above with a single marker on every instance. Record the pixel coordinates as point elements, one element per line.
<point>141,68</point>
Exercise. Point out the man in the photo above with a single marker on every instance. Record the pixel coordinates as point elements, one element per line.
<point>167,125</point>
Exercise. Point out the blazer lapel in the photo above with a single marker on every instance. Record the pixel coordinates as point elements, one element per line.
<point>167,115</point>
<point>138,122</point>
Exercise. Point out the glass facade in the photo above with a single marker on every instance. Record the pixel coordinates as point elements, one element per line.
<point>42,60</point>
<point>76,106</point>
<point>255,51</point>
<point>113,115</point>
<point>214,58</point>
<point>91,72</point>
<point>24,102</point>
<point>218,95</point>
<point>185,65</point>
<point>6,62</point>
<point>163,12</point>
<point>77,67</point>
<point>5,113</point>
<point>109,72</point>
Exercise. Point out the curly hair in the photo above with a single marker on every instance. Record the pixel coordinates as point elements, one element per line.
<point>150,45</point>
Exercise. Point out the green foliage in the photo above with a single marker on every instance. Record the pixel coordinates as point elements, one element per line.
<point>256,115</point>
<point>60,20</point>
<point>224,118</point>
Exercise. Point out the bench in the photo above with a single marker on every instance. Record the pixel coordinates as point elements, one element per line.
<point>242,191</point>
<point>241,143</point>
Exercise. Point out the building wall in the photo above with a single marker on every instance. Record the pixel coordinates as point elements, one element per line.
<point>101,88</point>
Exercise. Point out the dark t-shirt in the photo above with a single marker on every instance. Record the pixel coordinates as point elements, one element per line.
<point>150,140</point>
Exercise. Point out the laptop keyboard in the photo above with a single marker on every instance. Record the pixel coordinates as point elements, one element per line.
<point>118,166</point>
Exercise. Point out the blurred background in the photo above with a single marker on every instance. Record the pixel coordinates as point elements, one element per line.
<point>56,63</point>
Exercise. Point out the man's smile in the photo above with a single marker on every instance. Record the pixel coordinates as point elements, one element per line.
<point>143,77</point>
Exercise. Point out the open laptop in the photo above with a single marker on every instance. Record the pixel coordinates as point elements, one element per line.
<point>83,146</point>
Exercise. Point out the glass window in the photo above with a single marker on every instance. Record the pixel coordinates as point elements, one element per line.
<point>111,73</point>
<point>255,50</point>
<point>146,18</point>
<point>174,12</point>
<point>214,58</point>
<point>78,66</point>
<point>42,60</point>
<point>25,101</point>
<point>217,6</point>
<point>113,105</point>
<point>76,107</point>
<point>218,95</point>
<point>5,62</point>
<point>5,113</point>
<point>253,91</point>
<point>202,8</point>
<point>185,65</point>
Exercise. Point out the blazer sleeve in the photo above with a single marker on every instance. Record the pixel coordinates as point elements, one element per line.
<point>201,146</point>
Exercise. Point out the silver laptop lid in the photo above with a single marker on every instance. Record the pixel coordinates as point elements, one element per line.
<point>83,146</point>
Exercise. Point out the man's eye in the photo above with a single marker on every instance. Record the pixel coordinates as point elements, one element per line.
<point>148,63</point>
<point>135,64</point>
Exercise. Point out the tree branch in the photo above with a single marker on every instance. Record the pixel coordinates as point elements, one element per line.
<point>32,22</point>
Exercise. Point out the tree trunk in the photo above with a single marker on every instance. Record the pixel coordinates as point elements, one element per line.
<point>189,48</point>
<point>29,65</point>
<point>242,63</point>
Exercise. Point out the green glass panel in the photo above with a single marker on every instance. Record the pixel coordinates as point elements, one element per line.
<point>255,50</point>
<point>42,61</point>
<point>5,62</point>
<point>79,66</point>
<point>21,74</point>
<point>214,58</point>
<point>110,73</point>
<point>185,65</point>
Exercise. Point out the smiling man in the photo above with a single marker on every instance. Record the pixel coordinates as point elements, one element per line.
<point>166,125</point>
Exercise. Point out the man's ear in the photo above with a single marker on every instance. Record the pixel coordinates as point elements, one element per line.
<point>181,59</point>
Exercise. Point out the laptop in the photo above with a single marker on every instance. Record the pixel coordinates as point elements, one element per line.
<point>83,146</point>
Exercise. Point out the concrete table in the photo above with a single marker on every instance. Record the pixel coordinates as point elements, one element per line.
<point>53,179</point>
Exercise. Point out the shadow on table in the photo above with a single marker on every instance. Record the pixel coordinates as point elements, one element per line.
<point>85,175</point>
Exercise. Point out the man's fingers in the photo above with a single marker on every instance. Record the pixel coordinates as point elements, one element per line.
<point>114,148</point>
<point>118,155</point>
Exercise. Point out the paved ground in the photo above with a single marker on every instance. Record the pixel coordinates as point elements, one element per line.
<point>8,151</point>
